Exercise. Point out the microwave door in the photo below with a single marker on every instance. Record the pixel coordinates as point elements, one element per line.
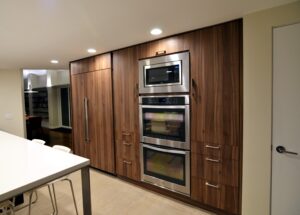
<point>163,74</point>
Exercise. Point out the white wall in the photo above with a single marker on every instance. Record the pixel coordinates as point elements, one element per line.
<point>258,104</point>
<point>11,102</point>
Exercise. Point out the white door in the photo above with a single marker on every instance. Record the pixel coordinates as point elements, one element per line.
<point>286,121</point>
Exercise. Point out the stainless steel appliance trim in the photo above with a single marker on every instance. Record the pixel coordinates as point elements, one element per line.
<point>185,190</point>
<point>165,88</point>
<point>165,142</point>
<point>186,98</point>
<point>161,65</point>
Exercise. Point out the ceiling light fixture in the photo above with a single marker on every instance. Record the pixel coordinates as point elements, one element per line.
<point>156,31</point>
<point>54,61</point>
<point>91,50</point>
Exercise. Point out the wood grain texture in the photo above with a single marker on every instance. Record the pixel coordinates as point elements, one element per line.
<point>126,118</point>
<point>77,96</point>
<point>96,86</point>
<point>215,111</point>
<point>91,64</point>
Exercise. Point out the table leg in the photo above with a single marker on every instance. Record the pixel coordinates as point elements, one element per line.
<point>86,191</point>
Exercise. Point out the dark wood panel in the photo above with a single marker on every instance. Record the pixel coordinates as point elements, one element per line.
<point>96,86</point>
<point>217,195</point>
<point>223,151</point>
<point>125,85</point>
<point>215,108</point>
<point>82,66</point>
<point>166,45</point>
<point>77,96</point>
<point>102,61</point>
<point>91,64</point>
<point>99,94</point>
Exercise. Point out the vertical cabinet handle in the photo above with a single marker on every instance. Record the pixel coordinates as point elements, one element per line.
<point>194,90</point>
<point>86,120</point>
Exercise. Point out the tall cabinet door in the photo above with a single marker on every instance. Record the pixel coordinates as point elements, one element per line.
<point>78,89</point>
<point>216,109</point>
<point>92,111</point>
<point>125,79</point>
<point>99,92</point>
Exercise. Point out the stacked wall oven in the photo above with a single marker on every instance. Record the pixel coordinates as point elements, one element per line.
<point>164,108</point>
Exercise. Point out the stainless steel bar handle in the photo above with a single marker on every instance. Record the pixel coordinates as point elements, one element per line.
<point>212,185</point>
<point>212,147</point>
<point>86,120</point>
<point>212,160</point>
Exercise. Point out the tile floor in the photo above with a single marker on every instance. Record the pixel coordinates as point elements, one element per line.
<point>110,196</point>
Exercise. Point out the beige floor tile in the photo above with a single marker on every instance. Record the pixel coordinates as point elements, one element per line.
<point>110,196</point>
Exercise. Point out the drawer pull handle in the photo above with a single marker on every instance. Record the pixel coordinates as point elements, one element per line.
<point>212,147</point>
<point>126,134</point>
<point>212,160</point>
<point>127,162</point>
<point>212,185</point>
<point>126,144</point>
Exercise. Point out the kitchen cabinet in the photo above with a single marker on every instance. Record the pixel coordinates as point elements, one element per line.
<point>126,118</point>
<point>216,110</point>
<point>215,101</point>
<point>92,112</point>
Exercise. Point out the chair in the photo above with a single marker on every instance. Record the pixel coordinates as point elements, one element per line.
<point>65,178</point>
<point>43,142</point>
<point>7,207</point>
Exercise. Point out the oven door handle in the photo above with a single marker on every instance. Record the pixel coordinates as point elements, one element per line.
<point>166,150</point>
<point>166,106</point>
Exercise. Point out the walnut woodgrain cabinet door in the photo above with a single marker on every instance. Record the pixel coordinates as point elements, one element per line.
<point>92,112</point>
<point>215,109</point>
<point>125,82</point>
<point>78,129</point>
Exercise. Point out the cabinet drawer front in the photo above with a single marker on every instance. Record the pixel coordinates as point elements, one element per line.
<point>216,150</point>
<point>207,167</point>
<point>215,194</point>
<point>128,168</point>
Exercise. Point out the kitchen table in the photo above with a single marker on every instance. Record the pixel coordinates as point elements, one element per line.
<point>25,165</point>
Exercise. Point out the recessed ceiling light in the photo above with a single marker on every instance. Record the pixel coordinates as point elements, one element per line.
<point>156,31</point>
<point>54,61</point>
<point>91,50</point>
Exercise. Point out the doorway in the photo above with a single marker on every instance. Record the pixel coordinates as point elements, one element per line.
<point>47,106</point>
<point>286,121</point>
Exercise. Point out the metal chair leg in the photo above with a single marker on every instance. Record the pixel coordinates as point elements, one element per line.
<point>72,189</point>
<point>55,201</point>
<point>30,202</point>
<point>52,203</point>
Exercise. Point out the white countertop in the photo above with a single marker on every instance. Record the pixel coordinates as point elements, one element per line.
<point>25,165</point>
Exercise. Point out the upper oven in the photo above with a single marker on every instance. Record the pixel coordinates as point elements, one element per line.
<point>164,74</point>
<point>165,120</point>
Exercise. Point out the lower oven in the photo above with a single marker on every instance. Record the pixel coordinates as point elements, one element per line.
<point>166,167</point>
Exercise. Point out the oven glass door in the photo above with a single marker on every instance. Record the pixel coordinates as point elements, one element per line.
<point>162,74</point>
<point>165,164</point>
<point>164,122</point>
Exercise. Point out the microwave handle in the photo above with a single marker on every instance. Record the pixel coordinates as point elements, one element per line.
<point>166,150</point>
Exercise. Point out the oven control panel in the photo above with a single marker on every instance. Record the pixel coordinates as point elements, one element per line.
<point>167,100</point>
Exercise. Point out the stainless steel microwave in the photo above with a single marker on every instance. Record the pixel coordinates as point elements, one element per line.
<point>165,74</point>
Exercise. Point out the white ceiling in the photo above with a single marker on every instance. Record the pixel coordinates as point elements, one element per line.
<point>33,32</point>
